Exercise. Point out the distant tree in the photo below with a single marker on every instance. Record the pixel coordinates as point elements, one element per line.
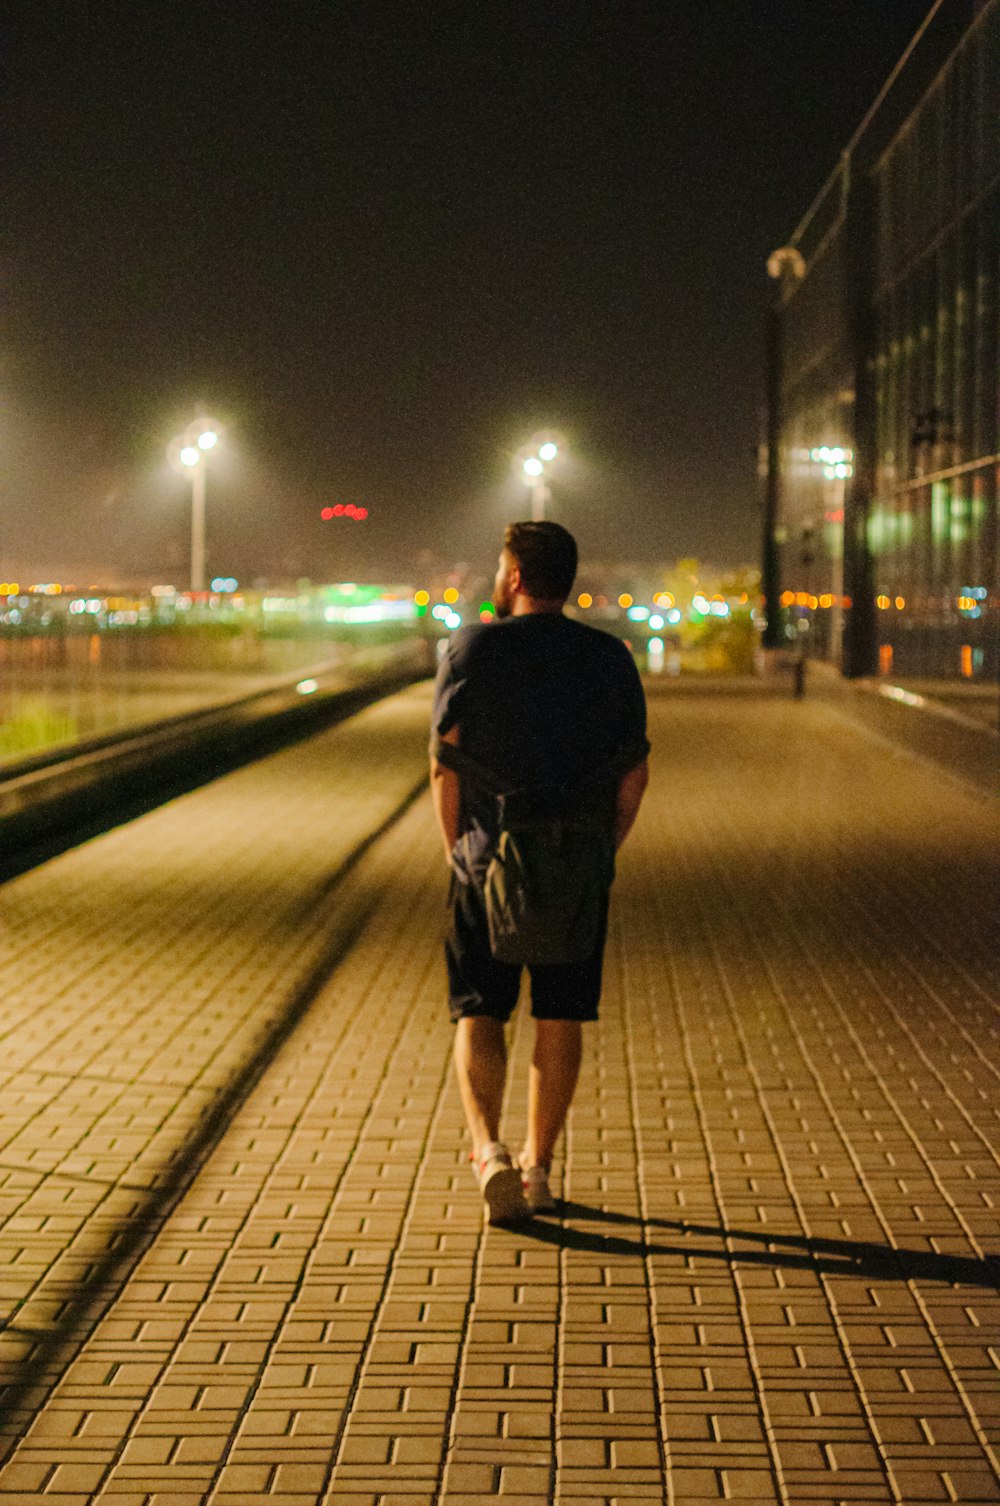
<point>742,582</point>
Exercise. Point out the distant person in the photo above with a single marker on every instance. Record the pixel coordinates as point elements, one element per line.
<point>538,768</point>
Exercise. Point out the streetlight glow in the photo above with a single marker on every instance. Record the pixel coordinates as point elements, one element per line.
<point>532,463</point>
<point>190,451</point>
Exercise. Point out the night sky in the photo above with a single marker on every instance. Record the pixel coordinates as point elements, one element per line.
<point>383,243</point>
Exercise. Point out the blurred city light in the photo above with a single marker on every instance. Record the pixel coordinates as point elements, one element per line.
<point>344,510</point>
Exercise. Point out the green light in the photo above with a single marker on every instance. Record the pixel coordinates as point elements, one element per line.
<point>351,594</point>
<point>940,511</point>
<point>487,606</point>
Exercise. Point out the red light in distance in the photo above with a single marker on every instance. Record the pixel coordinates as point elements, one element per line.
<point>344,510</point>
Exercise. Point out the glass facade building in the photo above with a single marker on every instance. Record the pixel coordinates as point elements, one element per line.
<point>881,535</point>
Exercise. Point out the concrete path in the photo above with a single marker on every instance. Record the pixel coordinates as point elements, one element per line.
<point>243,1259</point>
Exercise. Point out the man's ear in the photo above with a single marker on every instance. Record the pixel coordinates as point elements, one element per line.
<point>514,579</point>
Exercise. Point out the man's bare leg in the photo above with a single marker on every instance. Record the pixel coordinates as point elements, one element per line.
<point>555,1067</point>
<point>481,1068</point>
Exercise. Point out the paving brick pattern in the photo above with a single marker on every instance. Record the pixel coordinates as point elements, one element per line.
<point>244,1262</point>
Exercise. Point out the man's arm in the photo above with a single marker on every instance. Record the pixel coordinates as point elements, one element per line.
<point>630,793</point>
<point>446,795</point>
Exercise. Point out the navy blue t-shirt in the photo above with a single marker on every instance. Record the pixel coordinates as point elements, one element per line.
<point>539,700</point>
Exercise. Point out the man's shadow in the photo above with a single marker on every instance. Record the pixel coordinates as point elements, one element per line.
<point>769,1248</point>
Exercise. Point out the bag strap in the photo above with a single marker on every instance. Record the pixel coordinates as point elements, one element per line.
<point>452,757</point>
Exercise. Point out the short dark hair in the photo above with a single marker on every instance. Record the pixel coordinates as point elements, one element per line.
<point>546,555</point>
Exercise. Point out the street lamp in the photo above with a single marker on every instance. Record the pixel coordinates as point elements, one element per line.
<point>191,450</point>
<point>785,267</point>
<point>534,475</point>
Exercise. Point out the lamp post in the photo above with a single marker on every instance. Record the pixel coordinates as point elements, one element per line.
<point>786,267</point>
<point>533,471</point>
<point>191,449</point>
<point>838,467</point>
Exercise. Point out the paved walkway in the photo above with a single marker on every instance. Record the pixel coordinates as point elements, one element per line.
<point>243,1260</point>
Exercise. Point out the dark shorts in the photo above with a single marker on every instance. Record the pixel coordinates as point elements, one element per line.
<point>480,985</point>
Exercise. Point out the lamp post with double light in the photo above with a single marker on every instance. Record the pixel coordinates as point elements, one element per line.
<point>535,476</point>
<point>190,451</point>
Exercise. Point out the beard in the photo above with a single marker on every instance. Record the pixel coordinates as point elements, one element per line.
<point>502,603</point>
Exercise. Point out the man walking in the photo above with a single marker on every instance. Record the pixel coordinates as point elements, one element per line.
<point>542,703</point>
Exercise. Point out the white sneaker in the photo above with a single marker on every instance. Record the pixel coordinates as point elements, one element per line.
<point>537,1192</point>
<point>500,1183</point>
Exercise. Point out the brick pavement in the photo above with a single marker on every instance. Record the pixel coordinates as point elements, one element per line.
<point>243,1257</point>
